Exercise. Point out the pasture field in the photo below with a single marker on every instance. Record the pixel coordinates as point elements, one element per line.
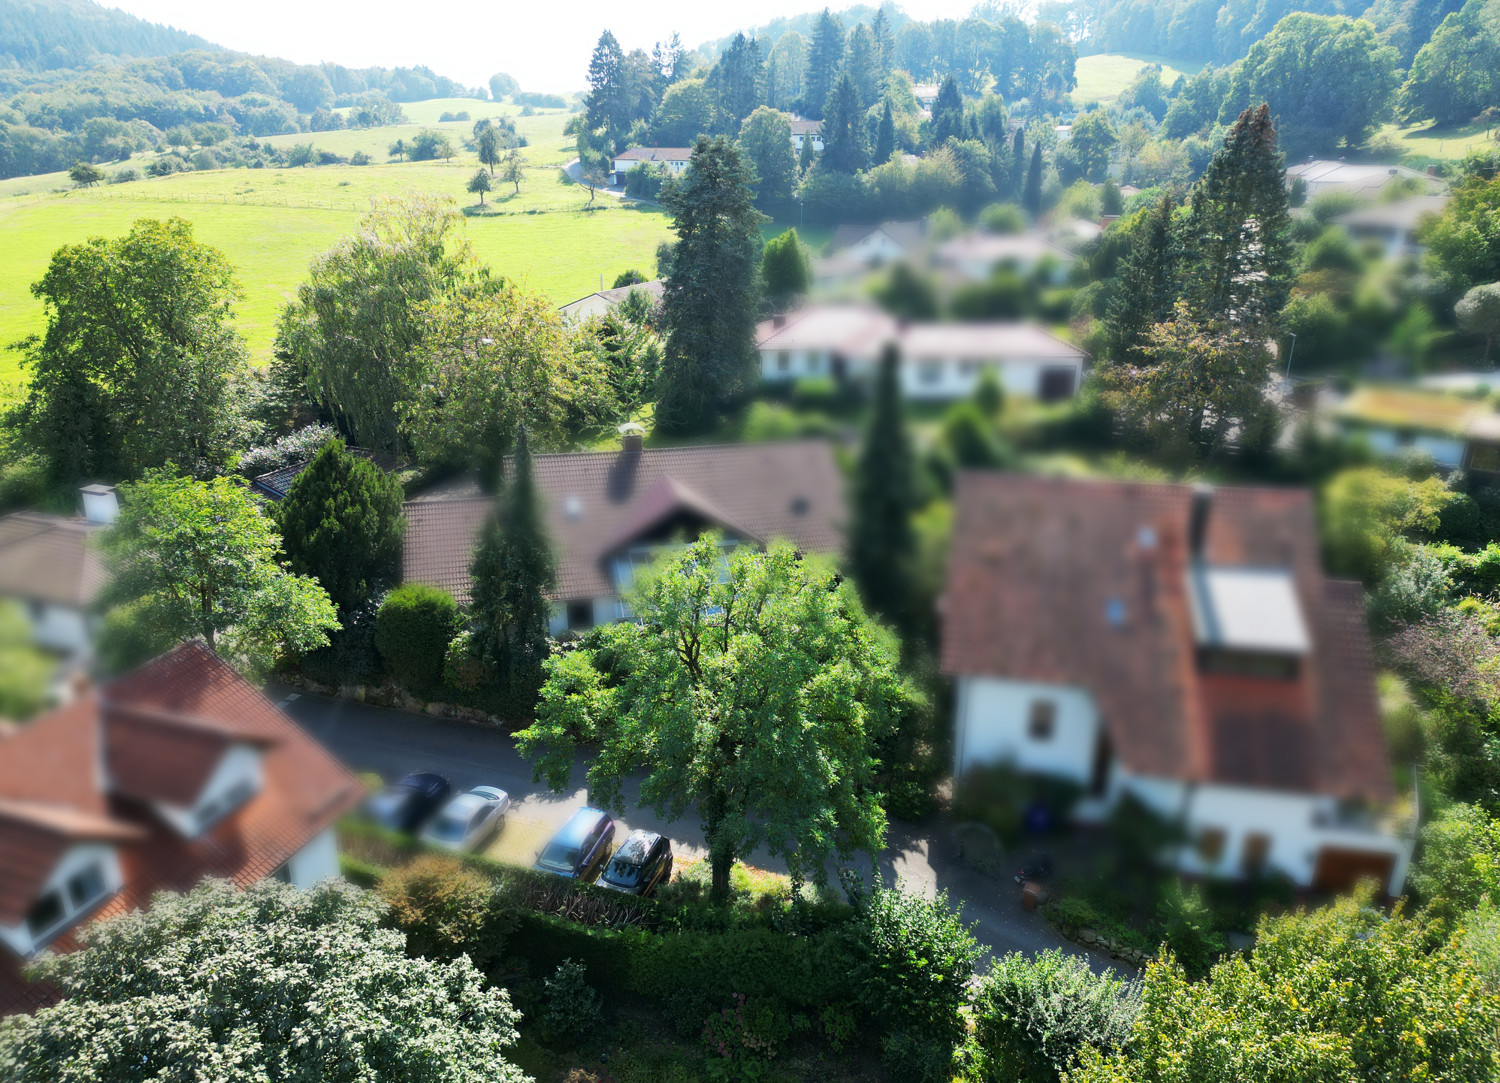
<point>1432,141</point>
<point>271,222</point>
<point>1104,76</point>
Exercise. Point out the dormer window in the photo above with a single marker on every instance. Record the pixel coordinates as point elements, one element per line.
<point>1247,621</point>
<point>63,904</point>
<point>214,810</point>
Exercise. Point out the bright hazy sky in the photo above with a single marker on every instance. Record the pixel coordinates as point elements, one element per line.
<point>543,43</point>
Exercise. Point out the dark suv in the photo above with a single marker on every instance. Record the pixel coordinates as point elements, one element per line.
<point>581,845</point>
<point>642,862</point>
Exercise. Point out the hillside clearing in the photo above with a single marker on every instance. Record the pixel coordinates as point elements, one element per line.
<point>1103,76</point>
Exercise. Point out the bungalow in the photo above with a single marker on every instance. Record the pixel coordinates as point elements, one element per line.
<point>611,513</point>
<point>939,360</point>
<point>50,565</point>
<point>1180,646</point>
<point>1361,179</point>
<point>1458,432</point>
<point>802,128</point>
<point>856,250</point>
<point>604,301</point>
<point>976,256</point>
<point>1394,225</point>
<point>176,771</point>
<point>671,159</point>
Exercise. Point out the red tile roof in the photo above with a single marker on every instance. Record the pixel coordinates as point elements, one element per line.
<point>1040,566</point>
<point>49,558</point>
<point>60,759</point>
<point>597,502</point>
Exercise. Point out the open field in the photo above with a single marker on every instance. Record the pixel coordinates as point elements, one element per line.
<point>1452,141</point>
<point>1103,76</point>
<point>271,222</point>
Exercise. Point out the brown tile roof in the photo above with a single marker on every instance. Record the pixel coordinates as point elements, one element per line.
<point>596,502</point>
<point>60,759</point>
<point>1084,583</point>
<point>49,558</point>
<point>153,756</point>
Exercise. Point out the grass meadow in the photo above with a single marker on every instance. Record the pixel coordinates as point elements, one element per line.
<point>271,222</point>
<point>1103,76</point>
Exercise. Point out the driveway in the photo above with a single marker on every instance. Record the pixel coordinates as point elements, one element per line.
<point>574,170</point>
<point>392,743</point>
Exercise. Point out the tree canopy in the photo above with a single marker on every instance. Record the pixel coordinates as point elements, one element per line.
<point>199,558</point>
<point>271,982</point>
<point>752,688</point>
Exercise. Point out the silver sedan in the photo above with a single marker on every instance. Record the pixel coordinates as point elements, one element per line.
<point>469,820</point>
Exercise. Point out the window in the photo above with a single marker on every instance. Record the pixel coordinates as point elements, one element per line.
<point>783,360</point>
<point>930,372</point>
<point>1211,845</point>
<point>86,886</point>
<point>580,615</point>
<point>1257,850</point>
<point>45,915</point>
<point>1042,721</point>
<point>226,803</point>
<point>968,368</point>
<point>283,874</point>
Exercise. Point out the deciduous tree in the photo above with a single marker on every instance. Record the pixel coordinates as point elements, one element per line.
<point>766,140</point>
<point>271,982</point>
<point>1478,312</point>
<point>513,168</point>
<point>478,184</point>
<point>199,558</point>
<point>487,143</point>
<point>751,688</point>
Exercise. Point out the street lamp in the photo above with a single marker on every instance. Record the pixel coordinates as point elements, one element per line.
<point>1289,355</point>
<point>799,213</point>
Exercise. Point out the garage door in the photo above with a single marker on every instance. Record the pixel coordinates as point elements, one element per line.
<point>1056,383</point>
<point>1339,870</point>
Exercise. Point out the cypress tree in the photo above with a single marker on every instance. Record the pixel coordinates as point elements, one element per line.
<point>1017,163</point>
<point>341,523</point>
<point>712,294</point>
<point>513,570</point>
<point>885,137</point>
<point>805,159</point>
<point>1031,197</point>
<point>882,543</point>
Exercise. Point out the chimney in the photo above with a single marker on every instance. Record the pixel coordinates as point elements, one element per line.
<point>100,504</point>
<point>1203,502</point>
<point>1392,171</point>
<point>632,437</point>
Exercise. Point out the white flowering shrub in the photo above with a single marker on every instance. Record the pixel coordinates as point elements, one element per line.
<point>271,983</point>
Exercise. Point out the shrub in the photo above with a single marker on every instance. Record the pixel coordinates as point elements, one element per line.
<point>446,909</point>
<point>1003,218</point>
<point>293,448</point>
<point>359,157</point>
<point>916,1058</point>
<point>572,1006</point>
<point>1459,863</point>
<point>413,628</point>
<point>1187,924</point>
<point>746,1031</point>
<point>124,176</point>
<point>913,960</point>
<point>1034,1016</point>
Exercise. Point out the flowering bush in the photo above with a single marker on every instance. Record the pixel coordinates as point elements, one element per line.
<point>744,1034</point>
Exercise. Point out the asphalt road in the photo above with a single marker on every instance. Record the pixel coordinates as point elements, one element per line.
<point>392,743</point>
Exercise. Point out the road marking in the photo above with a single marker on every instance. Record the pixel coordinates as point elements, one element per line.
<point>289,697</point>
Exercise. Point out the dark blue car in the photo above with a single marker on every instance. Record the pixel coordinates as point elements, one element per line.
<point>580,847</point>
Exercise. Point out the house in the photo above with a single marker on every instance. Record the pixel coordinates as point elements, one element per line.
<point>276,484</point>
<point>671,159</point>
<point>855,251</point>
<point>174,772</point>
<point>50,565</point>
<point>802,128</point>
<point>1180,646</point>
<point>603,301</point>
<point>1457,431</point>
<point>1394,225</point>
<point>938,360</point>
<point>1360,179</point>
<point>926,94</point>
<point>976,256</point>
<point>611,513</point>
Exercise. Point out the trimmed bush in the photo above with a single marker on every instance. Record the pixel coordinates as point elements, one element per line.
<point>413,628</point>
<point>446,910</point>
<point>1034,1017</point>
<point>572,1006</point>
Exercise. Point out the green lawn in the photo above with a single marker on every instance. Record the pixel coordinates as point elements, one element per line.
<point>271,222</point>
<point>1431,141</point>
<point>1103,76</point>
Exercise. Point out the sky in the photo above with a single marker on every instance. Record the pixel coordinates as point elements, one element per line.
<point>543,43</point>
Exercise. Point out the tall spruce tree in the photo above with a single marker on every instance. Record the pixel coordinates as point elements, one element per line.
<point>739,79</point>
<point>1236,234</point>
<point>513,570</point>
<point>885,44</point>
<point>885,137</point>
<point>1147,284</point>
<point>882,543</point>
<point>1017,164</point>
<point>862,62</point>
<point>948,113</point>
<point>712,293</point>
<point>824,59</point>
<point>844,147</point>
<point>607,103</point>
<point>1031,195</point>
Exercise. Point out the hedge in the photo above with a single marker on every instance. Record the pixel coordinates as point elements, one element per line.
<point>413,628</point>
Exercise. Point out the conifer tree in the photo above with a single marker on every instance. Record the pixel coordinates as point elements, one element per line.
<point>1017,164</point>
<point>1148,282</point>
<point>712,292</point>
<point>948,113</point>
<point>824,59</point>
<point>885,137</point>
<point>1031,196</point>
<point>805,158</point>
<point>513,570</point>
<point>844,147</point>
<point>881,543</point>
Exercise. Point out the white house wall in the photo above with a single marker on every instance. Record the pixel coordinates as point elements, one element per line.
<point>59,628</point>
<point>946,379</point>
<point>318,860</point>
<point>994,717</point>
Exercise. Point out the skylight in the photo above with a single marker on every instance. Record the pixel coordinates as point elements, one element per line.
<point>1247,609</point>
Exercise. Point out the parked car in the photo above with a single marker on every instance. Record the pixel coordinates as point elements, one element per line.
<point>406,805</point>
<point>640,865</point>
<point>469,820</point>
<point>580,847</point>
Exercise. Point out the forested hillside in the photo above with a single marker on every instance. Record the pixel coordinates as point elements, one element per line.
<point>40,35</point>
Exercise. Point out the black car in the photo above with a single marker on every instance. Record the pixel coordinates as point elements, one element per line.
<point>582,844</point>
<point>406,805</point>
<point>642,862</point>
